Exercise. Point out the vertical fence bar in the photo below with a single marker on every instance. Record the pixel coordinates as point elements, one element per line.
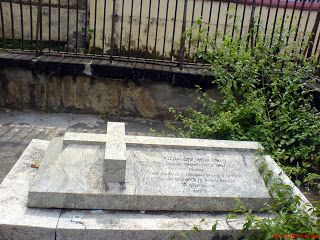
<point>31,25</point>
<point>191,25</point>
<point>112,30</point>
<point>317,45</point>
<point>12,25</point>
<point>274,23</point>
<point>234,19</point>
<point>242,21</point>
<point>282,22</point>
<point>305,26</point>
<point>39,29</point>
<point>251,26</point>
<point>104,25</point>
<point>174,31</point>
<point>291,20</point>
<point>86,44</point>
<point>165,31</point>
<point>121,26</point>
<point>226,21</point>
<point>148,29</point>
<point>95,25</point>
<point>68,23</point>
<point>49,25</point>
<point>209,22</point>
<point>130,30</point>
<point>2,26</point>
<point>77,25</point>
<point>183,36</point>
<point>21,25</point>
<point>156,37</point>
<point>200,27</point>
<point>217,24</point>
<point>139,27</point>
<point>299,20</point>
<point>59,25</point>
<point>267,22</point>
<point>312,39</point>
<point>258,24</point>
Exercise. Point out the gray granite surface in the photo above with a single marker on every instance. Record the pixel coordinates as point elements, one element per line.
<point>19,222</point>
<point>122,172</point>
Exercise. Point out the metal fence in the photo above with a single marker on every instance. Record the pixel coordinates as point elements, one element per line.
<point>152,30</point>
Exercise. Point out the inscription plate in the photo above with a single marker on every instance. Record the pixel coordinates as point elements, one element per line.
<point>185,172</point>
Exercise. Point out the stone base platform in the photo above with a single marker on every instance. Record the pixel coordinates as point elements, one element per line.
<point>18,222</point>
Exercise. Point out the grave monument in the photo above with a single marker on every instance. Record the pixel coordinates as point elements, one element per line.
<point>118,186</point>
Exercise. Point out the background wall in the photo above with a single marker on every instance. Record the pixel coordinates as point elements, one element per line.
<point>157,33</point>
<point>22,88</point>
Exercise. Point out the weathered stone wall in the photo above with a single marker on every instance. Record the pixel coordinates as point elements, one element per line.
<point>23,89</point>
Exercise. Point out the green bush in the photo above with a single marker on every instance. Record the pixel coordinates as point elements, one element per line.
<point>291,219</point>
<point>265,98</point>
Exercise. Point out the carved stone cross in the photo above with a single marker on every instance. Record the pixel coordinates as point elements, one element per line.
<point>116,142</point>
<point>115,149</point>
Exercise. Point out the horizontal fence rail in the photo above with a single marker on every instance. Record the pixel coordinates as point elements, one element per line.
<point>156,31</point>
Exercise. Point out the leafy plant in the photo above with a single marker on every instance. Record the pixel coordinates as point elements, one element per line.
<point>290,217</point>
<point>266,97</point>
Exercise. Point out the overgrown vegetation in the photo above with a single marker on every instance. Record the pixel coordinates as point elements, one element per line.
<point>266,97</point>
<point>290,217</point>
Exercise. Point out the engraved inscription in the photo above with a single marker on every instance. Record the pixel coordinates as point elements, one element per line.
<point>191,172</point>
<point>198,172</point>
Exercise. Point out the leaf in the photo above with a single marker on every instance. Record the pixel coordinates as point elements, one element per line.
<point>214,227</point>
<point>297,182</point>
<point>196,229</point>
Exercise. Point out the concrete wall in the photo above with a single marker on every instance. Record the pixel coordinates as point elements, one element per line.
<point>155,44</point>
<point>23,89</point>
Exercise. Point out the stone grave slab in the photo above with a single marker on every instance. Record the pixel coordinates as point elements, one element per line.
<point>115,171</point>
<point>19,222</point>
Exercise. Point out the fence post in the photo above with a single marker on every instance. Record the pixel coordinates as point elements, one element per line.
<point>183,36</point>
<point>250,37</point>
<point>39,28</point>
<point>12,25</point>
<point>312,38</point>
<point>112,30</point>
<point>2,26</point>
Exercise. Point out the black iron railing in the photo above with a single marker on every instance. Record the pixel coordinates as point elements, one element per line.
<point>153,30</point>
